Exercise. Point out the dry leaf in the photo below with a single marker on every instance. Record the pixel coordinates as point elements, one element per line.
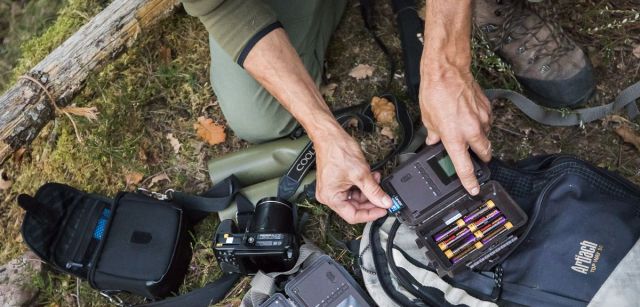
<point>209,131</point>
<point>18,155</point>
<point>90,113</point>
<point>142,155</point>
<point>5,183</point>
<point>197,147</point>
<point>617,119</point>
<point>328,90</point>
<point>165,54</point>
<point>383,110</point>
<point>388,132</point>
<point>361,71</point>
<point>629,135</point>
<point>133,178</point>
<point>175,144</point>
<point>157,178</point>
<point>636,51</point>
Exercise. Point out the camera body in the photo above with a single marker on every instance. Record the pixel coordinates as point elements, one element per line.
<point>268,243</point>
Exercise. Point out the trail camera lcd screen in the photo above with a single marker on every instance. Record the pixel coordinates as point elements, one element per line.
<point>443,167</point>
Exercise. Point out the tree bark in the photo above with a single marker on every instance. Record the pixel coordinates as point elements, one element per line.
<point>25,108</point>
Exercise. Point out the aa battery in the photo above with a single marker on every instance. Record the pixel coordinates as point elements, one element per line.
<point>459,224</point>
<point>466,243</point>
<point>487,238</point>
<point>497,232</point>
<point>484,220</point>
<point>450,241</point>
<point>494,225</point>
<point>467,252</point>
<point>454,239</point>
<point>488,205</point>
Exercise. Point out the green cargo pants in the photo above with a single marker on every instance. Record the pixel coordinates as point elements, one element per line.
<point>251,112</point>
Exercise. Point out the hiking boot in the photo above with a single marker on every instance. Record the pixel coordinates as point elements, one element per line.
<point>544,59</point>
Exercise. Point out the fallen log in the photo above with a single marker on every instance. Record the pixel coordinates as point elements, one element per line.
<point>25,107</point>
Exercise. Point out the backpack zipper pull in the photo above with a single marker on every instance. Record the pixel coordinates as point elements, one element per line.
<point>71,265</point>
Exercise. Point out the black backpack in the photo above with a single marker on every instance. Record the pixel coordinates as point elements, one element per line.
<point>583,221</point>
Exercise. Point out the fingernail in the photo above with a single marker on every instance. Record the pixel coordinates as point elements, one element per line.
<point>387,202</point>
<point>475,191</point>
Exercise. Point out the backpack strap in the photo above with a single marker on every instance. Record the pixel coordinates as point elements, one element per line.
<point>263,285</point>
<point>625,100</point>
<point>367,8</point>
<point>211,293</point>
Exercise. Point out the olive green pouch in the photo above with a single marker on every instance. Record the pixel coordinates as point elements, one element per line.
<point>259,169</point>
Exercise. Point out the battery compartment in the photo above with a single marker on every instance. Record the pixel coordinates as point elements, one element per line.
<point>453,217</point>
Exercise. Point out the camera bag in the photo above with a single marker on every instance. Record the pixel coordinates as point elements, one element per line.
<point>136,243</point>
<point>133,242</point>
<point>580,246</point>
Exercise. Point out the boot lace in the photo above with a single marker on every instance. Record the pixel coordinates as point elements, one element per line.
<point>515,28</point>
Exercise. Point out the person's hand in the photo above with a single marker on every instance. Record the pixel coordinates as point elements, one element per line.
<point>456,111</point>
<point>345,182</point>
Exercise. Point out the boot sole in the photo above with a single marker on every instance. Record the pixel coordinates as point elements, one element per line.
<point>549,103</point>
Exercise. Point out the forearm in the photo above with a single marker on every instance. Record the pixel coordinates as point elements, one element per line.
<point>447,45</point>
<point>275,64</point>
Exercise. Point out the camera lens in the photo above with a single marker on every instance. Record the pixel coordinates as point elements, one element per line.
<point>272,215</point>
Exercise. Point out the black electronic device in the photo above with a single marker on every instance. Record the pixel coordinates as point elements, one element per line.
<point>269,242</point>
<point>323,283</point>
<point>420,185</point>
<point>456,229</point>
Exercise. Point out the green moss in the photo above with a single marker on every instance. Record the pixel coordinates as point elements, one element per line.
<point>20,21</point>
<point>71,17</point>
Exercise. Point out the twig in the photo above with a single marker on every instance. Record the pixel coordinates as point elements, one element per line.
<point>53,103</point>
<point>78,292</point>
<point>509,131</point>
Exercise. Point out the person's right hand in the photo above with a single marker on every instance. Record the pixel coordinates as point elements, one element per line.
<point>456,112</point>
<point>345,182</point>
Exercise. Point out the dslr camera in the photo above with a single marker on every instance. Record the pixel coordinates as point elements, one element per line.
<point>269,243</point>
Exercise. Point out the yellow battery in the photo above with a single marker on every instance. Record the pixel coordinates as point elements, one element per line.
<point>448,253</point>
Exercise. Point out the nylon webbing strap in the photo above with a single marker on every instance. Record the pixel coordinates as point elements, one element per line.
<point>215,199</point>
<point>626,99</point>
<point>203,297</point>
<point>263,284</point>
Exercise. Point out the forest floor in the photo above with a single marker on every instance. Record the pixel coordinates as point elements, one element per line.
<point>161,85</point>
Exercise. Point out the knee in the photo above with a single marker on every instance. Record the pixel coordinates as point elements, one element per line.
<point>260,128</point>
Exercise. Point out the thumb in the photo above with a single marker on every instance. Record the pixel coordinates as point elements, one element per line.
<point>373,192</point>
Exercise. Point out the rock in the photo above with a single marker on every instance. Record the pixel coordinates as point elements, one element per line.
<point>15,280</point>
